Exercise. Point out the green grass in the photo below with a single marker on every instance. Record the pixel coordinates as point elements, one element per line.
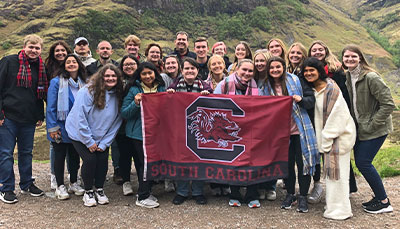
<point>386,162</point>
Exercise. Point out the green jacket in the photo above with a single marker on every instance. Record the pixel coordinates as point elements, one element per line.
<point>374,105</point>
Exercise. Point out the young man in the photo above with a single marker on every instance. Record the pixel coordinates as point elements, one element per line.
<point>82,50</point>
<point>201,50</point>
<point>104,50</point>
<point>132,46</point>
<point>181,46</point>
<point>23,87</point>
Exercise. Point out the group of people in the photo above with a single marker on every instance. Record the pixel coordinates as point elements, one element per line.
<point>93,105</point>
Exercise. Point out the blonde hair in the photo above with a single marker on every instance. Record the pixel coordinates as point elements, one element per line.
<point>216,57</point>
<point>132,38</point>
<point>330,59</point>
<point>33,39</point>
<point>303,51</point>
<point>267,55</point>
<point>281,43</point>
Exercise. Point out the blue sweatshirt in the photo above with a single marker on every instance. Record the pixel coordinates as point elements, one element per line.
<point>88,124</point>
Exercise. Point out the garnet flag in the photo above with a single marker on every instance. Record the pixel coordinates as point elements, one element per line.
<point>238,140</point>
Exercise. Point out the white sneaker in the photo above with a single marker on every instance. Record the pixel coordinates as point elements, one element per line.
<point>127,188</point>
<point>151,197</point>
<point>61,192</point>
<point>53,182</point>
<point>147,203</point>
<point>78,179</point>
<point>76,189</point>
<point>316,194</point>
<point>271,195</point>
<point>88,199</point>
<point>101,197</point>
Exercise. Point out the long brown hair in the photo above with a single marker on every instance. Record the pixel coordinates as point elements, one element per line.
<point>281,43</point>
<point>52,65</point>
<point>98,89</point>
<point>269,80</point>
<point>363,62</point>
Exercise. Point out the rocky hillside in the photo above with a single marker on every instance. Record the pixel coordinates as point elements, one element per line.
<point>255,21</point>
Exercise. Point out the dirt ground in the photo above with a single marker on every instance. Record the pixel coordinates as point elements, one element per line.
<point>47,212</point>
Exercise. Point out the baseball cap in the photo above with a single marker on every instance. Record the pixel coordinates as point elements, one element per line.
<point>79,39</point>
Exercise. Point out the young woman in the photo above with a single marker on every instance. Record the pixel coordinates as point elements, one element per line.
<point>371,108</point>
<point>277,47</point>
<point>295,57</point>
<point>128,66</point>
<point>217,71</point>
<point>92,125</point>
<point>333,69</point>
<point>147,80</point>
<point>336,134</point>
<point>260,62</point>
<point>57,53</point>
<point>242,51</point>
<point>190,82</point>
<point>154,54</point>
<point>241,83</point>
<point>303,146</point>
<point>60,98</point>
<point>172,70</point>
<point>219,48</point>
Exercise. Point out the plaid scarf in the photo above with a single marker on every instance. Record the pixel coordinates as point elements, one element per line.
<point>24,77</point>
<point>308,140</point>
<point>233,82</point>
<point>331,159</point>
<point>183,87</point>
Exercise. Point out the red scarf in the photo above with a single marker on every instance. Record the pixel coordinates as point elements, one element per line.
<point>24,77</point>
<point>329,74</point>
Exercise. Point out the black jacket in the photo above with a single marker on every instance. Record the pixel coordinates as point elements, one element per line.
<point>19,104</point>
<point>203,70</point>
<point>93,67</point>
<point>188,54</point>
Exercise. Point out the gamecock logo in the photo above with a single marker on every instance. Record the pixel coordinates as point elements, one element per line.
<point>211,134</point>
<point>216,128</point>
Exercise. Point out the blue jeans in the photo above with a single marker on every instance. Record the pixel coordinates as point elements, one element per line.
<point>364,153</point>
<point>183,188</point>
<point>12,132</point>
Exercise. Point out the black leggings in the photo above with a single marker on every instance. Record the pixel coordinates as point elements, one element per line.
<point>60,152</point>
<point>295,156</point>
<point>134,148</point>
<point>126,153</point>
<point>251,193</point>
<point>94,167</point>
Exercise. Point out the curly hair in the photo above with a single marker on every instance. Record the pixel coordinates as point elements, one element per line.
<point>52,65</point>
<point>98,89</point>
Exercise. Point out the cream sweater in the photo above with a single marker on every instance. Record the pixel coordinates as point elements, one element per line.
<point>339,124</point>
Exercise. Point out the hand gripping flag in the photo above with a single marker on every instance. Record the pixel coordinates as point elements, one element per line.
<point>237,140</point>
